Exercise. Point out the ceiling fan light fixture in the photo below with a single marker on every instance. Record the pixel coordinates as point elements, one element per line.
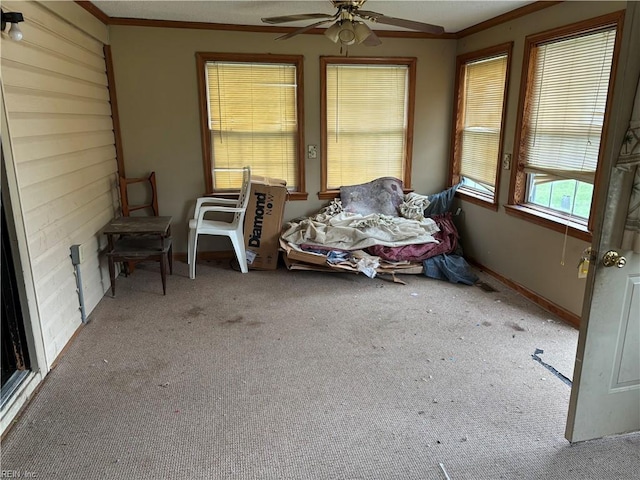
<point>333,32</point>
<point>362,31</point>
<point>348,28</point>
<point>347,34</point>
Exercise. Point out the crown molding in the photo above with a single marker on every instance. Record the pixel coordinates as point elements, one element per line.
<point>506,17</point>
<point>139,22</point>
<point>95,11</point>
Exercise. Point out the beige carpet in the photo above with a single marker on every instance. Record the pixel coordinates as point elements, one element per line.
<point>304,375</point>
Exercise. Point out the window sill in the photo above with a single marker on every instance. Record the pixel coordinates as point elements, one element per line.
<point>547,220</point>
<point>477,198</point>
<point>225,194</point>
<point>297,196</point>
<point>292,195</point>
<point>331,194</point>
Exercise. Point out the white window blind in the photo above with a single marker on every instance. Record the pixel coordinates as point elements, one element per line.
<point>484,84</point>
<point>366,122</point>
<point>567,104</point>
<point>253,119</point>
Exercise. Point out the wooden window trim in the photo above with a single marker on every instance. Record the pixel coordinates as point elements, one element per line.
<point>550,221</point>
<point>467,194</point>
<point>477,198</point>
<point>201,59</point>
<point>410,62</point>
<point>331,194</point>
<point>517,187</point>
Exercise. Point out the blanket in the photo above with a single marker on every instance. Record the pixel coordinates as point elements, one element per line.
<point>447,237</point>
<point>372,229</point>
<point>354,231</point>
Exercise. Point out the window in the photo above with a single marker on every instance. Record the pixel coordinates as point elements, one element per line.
<point>367,120</point>
<point>480,101</point>
<point>251,114</point>
<point>561,119</point>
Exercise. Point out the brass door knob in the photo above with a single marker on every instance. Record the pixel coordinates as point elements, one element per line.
<point>613,258</point>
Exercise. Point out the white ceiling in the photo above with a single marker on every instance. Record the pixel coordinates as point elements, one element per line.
<point>453,15</point>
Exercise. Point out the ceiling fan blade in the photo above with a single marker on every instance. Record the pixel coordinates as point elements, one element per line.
<point>401,22</point>
<point>303,29</point>
<point>295,18</point>
<point>372,40</point>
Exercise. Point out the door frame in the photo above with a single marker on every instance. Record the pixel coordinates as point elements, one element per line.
<point>10,196</point>
<point>14,343</point>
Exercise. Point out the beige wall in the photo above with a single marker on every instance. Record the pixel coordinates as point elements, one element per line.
<point>157,96</point>
<point>155,74</point>
<point>517,249</point>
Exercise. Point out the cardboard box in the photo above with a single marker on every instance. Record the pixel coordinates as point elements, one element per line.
<point>263,221</point>
<point>296,259</point>
<point>295,265</point>
<point>295,255</point>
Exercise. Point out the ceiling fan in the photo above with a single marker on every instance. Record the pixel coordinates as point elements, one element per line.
<point>348,29</point>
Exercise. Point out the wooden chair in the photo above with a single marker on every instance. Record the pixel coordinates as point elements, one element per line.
<point>150,204</point>
<point>130,248</point>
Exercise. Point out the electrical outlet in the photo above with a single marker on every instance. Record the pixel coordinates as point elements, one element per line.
<point>312,151</point>
<point>506,161</point>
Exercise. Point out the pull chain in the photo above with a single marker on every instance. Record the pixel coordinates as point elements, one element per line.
<point>564,245</point>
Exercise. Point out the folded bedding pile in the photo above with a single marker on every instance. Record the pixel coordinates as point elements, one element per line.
<point>374,228</point>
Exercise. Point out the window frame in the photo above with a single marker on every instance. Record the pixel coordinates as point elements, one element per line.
<point>410,62</point>
<point>517,204</point>
<point>296,60</point>
<point>455,177</point>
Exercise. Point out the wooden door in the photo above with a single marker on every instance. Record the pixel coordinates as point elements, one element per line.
<point>605,398</point>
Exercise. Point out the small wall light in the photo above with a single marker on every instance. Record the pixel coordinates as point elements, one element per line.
<point>13,18</point>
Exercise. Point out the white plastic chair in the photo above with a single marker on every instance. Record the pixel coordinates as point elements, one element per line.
<point>233,229</point>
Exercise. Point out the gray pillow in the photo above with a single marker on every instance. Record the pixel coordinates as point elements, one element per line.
<point>382,195</point>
